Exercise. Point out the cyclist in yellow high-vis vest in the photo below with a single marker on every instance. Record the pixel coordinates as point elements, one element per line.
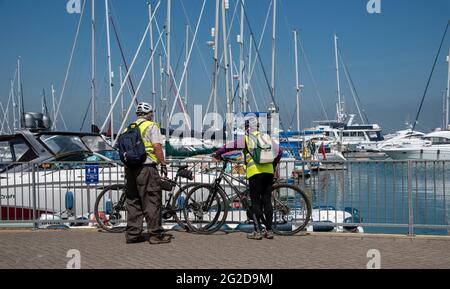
<point>260,178</point>
<point>144,194</point>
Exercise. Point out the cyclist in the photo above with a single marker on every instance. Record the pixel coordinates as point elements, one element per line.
<point>260,178</point>
<point>144,194</point>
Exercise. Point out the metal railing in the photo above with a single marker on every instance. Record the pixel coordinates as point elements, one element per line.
<point>405,197</point>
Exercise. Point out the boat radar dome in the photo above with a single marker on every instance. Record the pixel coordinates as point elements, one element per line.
<point>36,121</point>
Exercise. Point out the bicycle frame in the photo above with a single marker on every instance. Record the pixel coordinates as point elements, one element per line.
<point>223,176</point>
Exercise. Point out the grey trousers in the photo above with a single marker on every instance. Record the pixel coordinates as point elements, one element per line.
<point>144,200</point>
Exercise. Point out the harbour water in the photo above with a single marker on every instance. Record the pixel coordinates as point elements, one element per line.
<point>384,192</point>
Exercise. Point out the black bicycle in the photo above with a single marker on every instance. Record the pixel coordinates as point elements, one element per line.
<point>206,207</point>
<point>110,207</point>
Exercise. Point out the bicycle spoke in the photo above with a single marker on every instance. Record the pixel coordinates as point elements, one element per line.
<point>204,209</point>
<point>110,209</point>
<point>292,210</point>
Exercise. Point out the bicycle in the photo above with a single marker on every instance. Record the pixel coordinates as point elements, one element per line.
<point>206,205</point>
<point>110,206</point>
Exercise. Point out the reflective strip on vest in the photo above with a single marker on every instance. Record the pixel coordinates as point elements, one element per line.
<point>252,168</point>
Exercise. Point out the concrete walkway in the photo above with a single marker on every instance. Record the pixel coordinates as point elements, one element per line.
<point>49,250</point>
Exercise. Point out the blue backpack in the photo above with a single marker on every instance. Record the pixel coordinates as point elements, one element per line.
<point>131,147</point>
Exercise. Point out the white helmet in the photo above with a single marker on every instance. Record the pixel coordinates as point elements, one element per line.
<point>144,108</point>
<point>251,121</point>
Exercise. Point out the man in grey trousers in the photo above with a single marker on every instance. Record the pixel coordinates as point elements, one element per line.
<point>144,194</point>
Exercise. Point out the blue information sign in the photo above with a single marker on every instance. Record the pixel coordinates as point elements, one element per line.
<point>92,174</point>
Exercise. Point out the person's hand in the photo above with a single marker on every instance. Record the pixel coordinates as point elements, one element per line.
<point>164,170</point>
<point>216,158</point>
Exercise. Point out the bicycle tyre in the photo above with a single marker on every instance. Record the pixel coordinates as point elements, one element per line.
<point>286,212</point>
<point>99,219</point>
<point>214,225</point>
<point>182,189</point>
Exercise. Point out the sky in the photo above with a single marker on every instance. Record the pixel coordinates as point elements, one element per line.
<point>389,56</point>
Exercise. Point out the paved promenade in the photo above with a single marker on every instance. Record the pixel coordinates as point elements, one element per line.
<point>48,249</point>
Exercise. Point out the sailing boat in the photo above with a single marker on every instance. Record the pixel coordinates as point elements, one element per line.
<point>349,136</point>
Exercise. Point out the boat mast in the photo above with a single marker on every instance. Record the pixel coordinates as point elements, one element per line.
<point>444,109</point>
<point>161,88</point>
<point>14,106</point>
<point>19,93</point>
<point>298,87</point>
<point>108,38</point>
<point>152,48</point>
<point>53,103</point>
<point>447,102</point>
<point>241,59</point>
<point>93,69</point>
<point>216,59</point>
<point>274,31</point>
<point>340,115</point>
<point>248,78</point>
<point>225,7</point>
<point>122,94</point>
<point>185,64</point>
<point>168,32</point>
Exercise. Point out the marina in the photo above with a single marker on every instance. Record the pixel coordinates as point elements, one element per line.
<point>364,139</point>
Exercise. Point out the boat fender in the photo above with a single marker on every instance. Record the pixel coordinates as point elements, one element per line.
<point>284,227</point>
<point>350,228</point>
<point>180,202</point>
<point>58,227</point>
<point>323,227</point>
<point>108,207</point>
<point>69,201</point>
<point>246,228</point>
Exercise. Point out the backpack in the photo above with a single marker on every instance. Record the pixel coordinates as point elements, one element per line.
<point>264,151</point>
<point>131,147</point>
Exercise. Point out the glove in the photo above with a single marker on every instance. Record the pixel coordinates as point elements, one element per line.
<point>164,170</point>
<point>216,157</point>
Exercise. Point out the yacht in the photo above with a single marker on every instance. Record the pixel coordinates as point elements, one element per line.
<point>434,146</point>
<point>351,137</point>
<point>401,138</point>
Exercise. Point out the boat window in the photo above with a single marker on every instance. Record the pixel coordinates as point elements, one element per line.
<point>96,143</point>
<point>440,140</point>
<point>59,144</point>
<point>99,145</point>
<point>16,150</point>
<point>376,136</point>
<point>5,152</point>
<point>20,149</point>
<point>75,161</point>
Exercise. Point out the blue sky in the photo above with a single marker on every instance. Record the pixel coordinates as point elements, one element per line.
<point>389,55</point>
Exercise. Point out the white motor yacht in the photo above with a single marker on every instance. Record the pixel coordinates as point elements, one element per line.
<point>434,147</point>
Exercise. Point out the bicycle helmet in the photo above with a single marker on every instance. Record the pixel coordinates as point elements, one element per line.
<point>251,121</point>
<point>144,108</point>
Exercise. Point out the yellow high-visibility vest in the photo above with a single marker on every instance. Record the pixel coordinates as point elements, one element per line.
<point>253,168</point>
<point>148,145</point>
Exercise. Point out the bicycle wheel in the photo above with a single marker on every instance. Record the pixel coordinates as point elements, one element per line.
<point>205,209</point>
<point>291,209</point>
<point>177,205</point>
<point>110,209</point>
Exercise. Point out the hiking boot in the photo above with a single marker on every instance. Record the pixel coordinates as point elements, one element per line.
<point>255,236</point>
<point>159,239</point>
<point>139,239</point>
<point>268,234</point>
